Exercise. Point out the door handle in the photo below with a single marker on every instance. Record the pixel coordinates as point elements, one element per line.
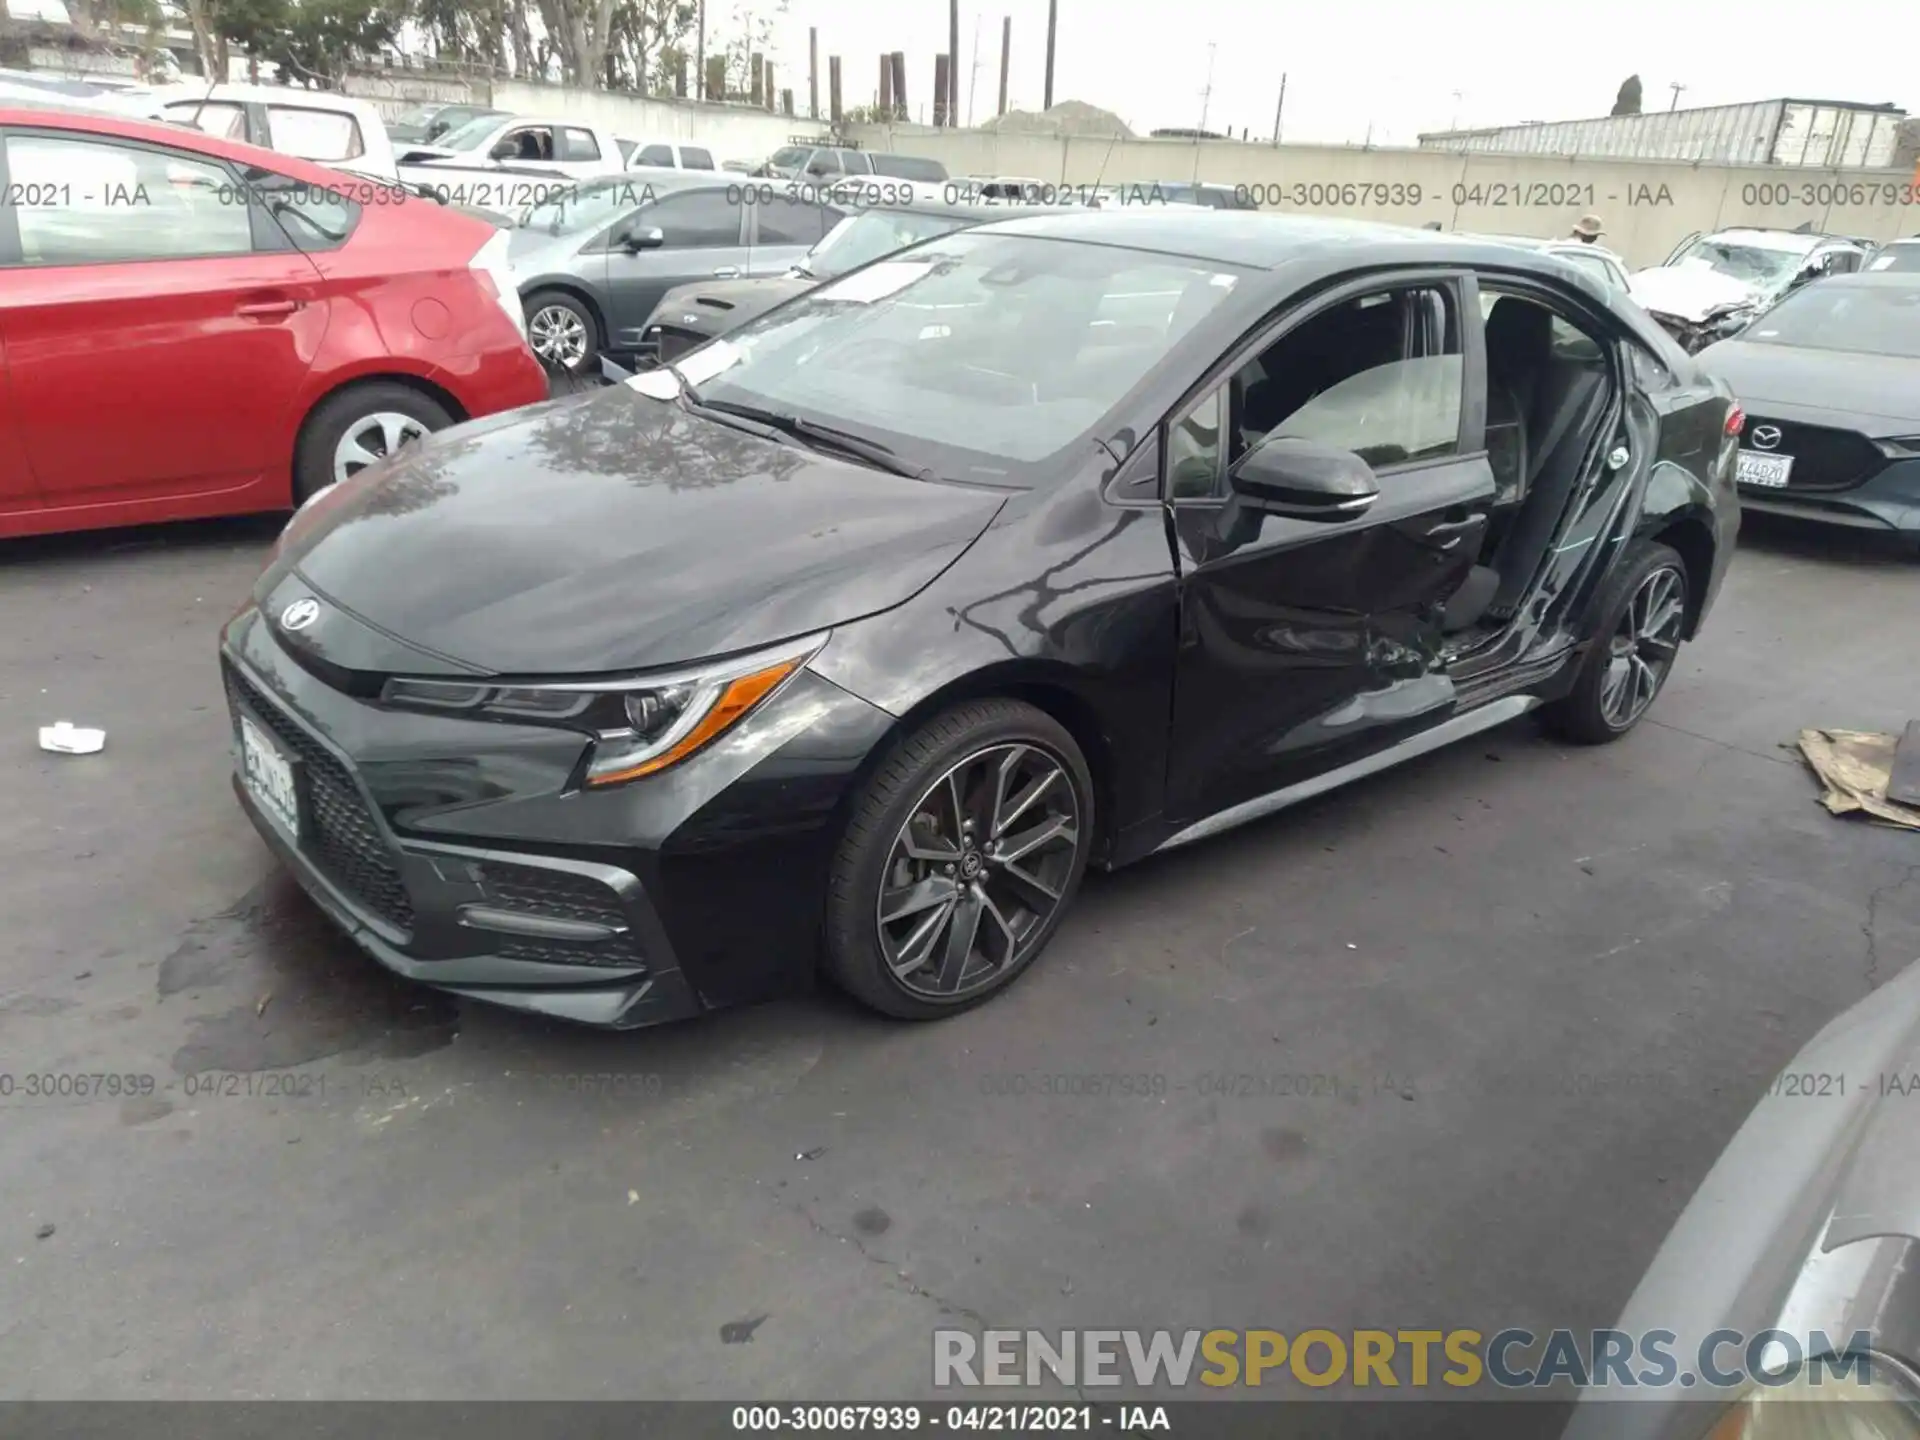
<point>267,309</point>
<point>727,272</point>
<point>1447,536</point>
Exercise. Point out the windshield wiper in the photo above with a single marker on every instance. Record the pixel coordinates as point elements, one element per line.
<point>815,435</point>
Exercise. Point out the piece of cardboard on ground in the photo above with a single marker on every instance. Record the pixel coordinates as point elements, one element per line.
<point>1855,765</point>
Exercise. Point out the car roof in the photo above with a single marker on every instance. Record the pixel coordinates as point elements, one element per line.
<point>260,95</point>
<point>109,125</point>
<point>1898,280</point>
<point>1257,240</point>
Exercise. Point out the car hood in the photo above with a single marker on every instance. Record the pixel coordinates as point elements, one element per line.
<point>1825,1162</point>
<point>1878,395</point>
<point>616,532</point>
<point>1689,292</point>
<point>716,306</point>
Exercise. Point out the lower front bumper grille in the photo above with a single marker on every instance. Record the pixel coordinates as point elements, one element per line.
<point>1824,460</point>
<point>342,839</point>
<point>543,893</point>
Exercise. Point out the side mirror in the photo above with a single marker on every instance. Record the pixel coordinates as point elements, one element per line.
<point>1304,480</point>
<point>643,238</point>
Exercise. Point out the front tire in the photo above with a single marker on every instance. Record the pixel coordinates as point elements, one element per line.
<point>1641,616</point>
<point>959,861</point>
<point>360,426</point>
<point>563,333</point>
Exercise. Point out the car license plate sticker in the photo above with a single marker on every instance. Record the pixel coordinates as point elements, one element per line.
<point>1767,471</point>
<point>268,776</point>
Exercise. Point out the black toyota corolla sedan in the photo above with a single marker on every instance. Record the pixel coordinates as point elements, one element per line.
<point>846,644</point>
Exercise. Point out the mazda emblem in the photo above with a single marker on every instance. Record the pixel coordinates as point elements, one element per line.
<point>1765,437</point>
<point>300,614</point>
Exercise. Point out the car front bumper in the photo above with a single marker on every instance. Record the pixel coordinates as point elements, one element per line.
<point>461,854</point>
<point>1889,499</point>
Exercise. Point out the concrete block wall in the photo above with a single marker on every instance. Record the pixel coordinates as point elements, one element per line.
<point>1647,206</point>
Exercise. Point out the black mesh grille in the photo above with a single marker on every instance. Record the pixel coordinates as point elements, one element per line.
<point>560,894</point>
<point>337,832</point>
<point>1823,459</point>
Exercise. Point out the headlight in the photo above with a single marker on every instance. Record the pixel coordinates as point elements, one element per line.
<point>1829,1407</point>
<point>640,726</point>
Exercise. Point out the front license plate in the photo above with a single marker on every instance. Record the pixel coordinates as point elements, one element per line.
<point>268,776</point>
<point>1767,471</point>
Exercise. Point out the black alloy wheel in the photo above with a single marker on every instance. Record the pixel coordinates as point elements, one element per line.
<point>1641,624</point>
<point>960,860</point>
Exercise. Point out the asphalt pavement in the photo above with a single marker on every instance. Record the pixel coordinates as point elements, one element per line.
<point>1450,1047</point>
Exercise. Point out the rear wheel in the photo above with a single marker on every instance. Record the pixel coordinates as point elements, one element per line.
<point>361,426</point>
<point>562,331</point>
<point>959,861</point>
<point>1641,617</point>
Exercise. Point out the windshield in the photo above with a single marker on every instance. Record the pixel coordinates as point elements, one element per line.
<point>1760,265</point>
<point>417,115</point>
<point>789,158</point>
<point>861,238</point>
<point>1843,317</point>
<point>582,207</point>
<point>983,358</point>
<point>471,135</point>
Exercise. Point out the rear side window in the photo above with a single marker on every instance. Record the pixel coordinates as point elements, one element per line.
<point>657,155</point>
<point>314,217</point>
<point>577,144</point>
<point>322,135</point>
<point>909,167</point>
<point>694,158</point>
<point>95,202</point>
<point>216,117</point>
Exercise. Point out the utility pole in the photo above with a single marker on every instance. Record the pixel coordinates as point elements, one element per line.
<point>1454,124</point>
<point>1206,94</point>
<point>953,64</point>
<point>1674,104</point>
<point>813,72</point>
<point>700,53</point>
<point>1053,24</point>
<point>1278,107</point>
<point>973,72</point>
<point>1006,55</point>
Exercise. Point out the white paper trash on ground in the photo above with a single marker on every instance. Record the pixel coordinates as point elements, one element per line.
<point>66,738</point>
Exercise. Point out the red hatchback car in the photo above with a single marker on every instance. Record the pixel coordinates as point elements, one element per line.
<point>193,327</point>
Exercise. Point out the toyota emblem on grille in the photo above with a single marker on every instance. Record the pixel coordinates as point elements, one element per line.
<point>1765,437</point>
<point>300,614</point>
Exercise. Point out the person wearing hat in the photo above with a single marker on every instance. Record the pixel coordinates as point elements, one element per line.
<point>1588,230</point>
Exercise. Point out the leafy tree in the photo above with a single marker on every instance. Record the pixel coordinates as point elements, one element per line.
<point>1627,101</point>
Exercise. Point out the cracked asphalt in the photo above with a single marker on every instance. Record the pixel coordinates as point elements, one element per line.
<point>1449,1048</point>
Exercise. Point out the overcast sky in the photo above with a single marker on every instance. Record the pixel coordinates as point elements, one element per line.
<point>1387,64</point>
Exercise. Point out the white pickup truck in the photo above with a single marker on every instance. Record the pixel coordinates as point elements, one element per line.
<point>506,163</point>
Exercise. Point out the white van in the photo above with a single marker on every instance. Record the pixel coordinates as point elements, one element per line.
<point>317,125</point>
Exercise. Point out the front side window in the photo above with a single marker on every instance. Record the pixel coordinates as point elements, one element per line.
<point>531,143</point>
<point>91,202</point>
<point>325,136</point>
<point>979,357</point>
<point>1381,375</point>
<point>703,219</point>
<point>692,157</point>
<point>656,155</point>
